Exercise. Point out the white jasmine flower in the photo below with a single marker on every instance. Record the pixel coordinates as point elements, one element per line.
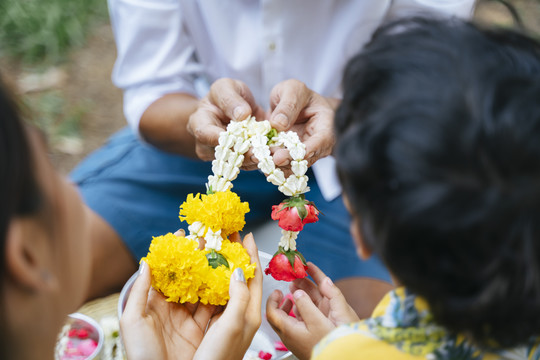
<point>266,165</point>
<point>230,172</point>
<point>242,146</point>
<point>221,153</point>
<point>261,152</point>
<point>213,239</point>
<point>239,161</point>
<point>275,178</point>
<point>226,141</point>
<point>197,229</point>
<point>299,167</point>
<point>288,240</point>
<point>217,167</point>
<point>287,190</point>
<point>298,151</point>
<point>259,140</point>
<point>301,183</point>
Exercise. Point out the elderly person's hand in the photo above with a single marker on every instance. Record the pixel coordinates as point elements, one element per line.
<point>227,99</point>
<point>296,107</point>
<point>293,107</point>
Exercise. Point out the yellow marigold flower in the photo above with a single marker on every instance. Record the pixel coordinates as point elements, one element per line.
<point>221,210</point>
<point>237,256</point>
<point>215,291</point>
<point>178,267</point>
<point>216,288</point>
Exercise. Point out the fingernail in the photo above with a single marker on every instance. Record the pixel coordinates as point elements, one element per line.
<point>298,294</point>
<point>282,121</point>
<point>142,267</point>
<point>239,275</point>
<point>238,112</point>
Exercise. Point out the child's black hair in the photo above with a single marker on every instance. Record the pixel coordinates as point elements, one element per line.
<point>438,151</point>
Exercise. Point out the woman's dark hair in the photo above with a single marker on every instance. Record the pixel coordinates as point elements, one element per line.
<point>438,151</point>
<point>19,192</point>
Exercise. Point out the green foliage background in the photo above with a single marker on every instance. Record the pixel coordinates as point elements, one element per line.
<point>44,30</point>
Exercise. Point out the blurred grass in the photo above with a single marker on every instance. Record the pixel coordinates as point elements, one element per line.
<point>45,30</point>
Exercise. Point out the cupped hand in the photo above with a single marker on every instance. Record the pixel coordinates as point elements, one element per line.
<point>153,328</point>
<point>320,308</point>
<point>232,331</point>
<point>296,107</point>
<point>227,99</point>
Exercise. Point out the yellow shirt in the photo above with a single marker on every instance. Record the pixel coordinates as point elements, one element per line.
<point>402,328</point>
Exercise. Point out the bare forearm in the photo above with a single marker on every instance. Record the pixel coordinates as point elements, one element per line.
<point>163,124</point>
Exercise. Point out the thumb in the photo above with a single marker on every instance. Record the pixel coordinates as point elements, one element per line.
<point>138,297</point>
<point>239,295</point>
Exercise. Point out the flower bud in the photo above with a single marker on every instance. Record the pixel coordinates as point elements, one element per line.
<point>287,266</point>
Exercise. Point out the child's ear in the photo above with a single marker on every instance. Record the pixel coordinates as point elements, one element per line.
<point>362,248</point>
<point>28,256</point>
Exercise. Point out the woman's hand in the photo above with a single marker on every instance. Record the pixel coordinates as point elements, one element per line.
<point>153,328</point>
<point>232,331</point>
<point>320,307</point>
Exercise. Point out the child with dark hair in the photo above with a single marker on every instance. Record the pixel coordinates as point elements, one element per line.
<point>438,151</point>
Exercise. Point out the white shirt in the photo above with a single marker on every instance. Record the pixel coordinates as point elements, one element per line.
<point>167,46</point>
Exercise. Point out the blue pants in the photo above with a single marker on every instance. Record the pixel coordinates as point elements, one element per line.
<point>138,190</point>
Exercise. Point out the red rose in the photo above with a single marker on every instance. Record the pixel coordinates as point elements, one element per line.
<point>294,213</point>
<point>287,265</point>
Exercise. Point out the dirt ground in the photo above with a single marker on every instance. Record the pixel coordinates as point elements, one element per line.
<point>89,69</point>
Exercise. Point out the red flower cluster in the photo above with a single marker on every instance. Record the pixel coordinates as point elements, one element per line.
<point>294,213</point>
<point>287,265</point>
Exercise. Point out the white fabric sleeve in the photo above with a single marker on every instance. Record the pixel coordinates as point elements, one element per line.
<point>155,54</point>
<point>460,8</point>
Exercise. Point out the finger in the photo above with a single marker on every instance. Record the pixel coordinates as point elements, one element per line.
<point>202,315</point>
<point>207,121</point>
<point>274,314</point>
<point>138,297</point>
<point>239,297</point>
<point>338,303</point>
<point>233,98</point>
<point>255,284</point>
<point>180,233</point>
<point>235,237</point>
<point>288,99</point>
<point>282,158</point>
<point>313,317</point>
<point>309,287</point>
<point>316,273</point>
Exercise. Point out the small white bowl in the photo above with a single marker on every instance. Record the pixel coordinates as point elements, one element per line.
<point>265,338</point>
<point>81,321</point>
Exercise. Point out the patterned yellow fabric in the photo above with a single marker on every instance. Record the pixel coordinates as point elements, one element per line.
<point>402,328</point>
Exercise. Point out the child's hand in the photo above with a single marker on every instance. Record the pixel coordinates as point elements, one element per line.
<point>320,307</point>
<point>326,296</point>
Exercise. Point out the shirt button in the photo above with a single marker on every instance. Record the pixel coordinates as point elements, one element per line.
<point>272,46</point>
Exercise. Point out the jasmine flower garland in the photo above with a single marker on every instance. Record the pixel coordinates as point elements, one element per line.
<point>184,271</point>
